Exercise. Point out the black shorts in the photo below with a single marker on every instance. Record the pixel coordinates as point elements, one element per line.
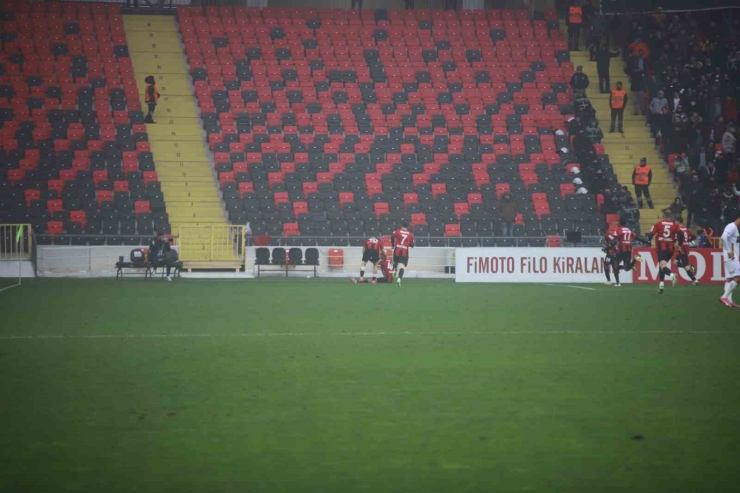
<point>623,257</point>
<point>665,255</point>
<point>609,259</point>
<point>682,260</point>
<point>400,260</point>
<point>370,256</point>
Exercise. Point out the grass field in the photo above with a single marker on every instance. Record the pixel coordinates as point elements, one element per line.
<point>323,386</point>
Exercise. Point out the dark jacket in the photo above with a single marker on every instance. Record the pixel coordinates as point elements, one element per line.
<point>603,60</point>
<point>637,77</point>
<point>629,212</point>
<point>594,134</point>
<point>579,82</point>
<point>158,250</point>
<point>508,209</point>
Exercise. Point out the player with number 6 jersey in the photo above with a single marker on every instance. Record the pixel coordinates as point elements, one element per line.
<point>401,240</point>
<point>666,233</point>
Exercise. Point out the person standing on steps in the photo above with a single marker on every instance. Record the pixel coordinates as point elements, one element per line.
<point>579,81</point>
<point>636,68</point>
<point>151,96</point>
<point>642,177</point>
<point>617,102</point>
<point>603,61</point>
<point>575,20</point>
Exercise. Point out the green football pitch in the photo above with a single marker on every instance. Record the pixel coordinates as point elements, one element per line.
<point>322,386</point>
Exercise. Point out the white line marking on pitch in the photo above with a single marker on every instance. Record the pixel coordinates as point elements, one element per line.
<point>569,286</point>
<point>329,334</point>
<point>9,287</point>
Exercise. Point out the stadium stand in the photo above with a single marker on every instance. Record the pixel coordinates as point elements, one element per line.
<point>74,150</point>
<point>693,59</point>
<point>334,124</point>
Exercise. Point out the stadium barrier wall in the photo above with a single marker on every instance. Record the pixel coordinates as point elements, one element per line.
<point>532,265</point>
<point>424,262</point>
<point>710,268</point>
<point>79,261</point>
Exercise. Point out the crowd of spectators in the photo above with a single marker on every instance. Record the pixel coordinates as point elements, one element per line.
<point>684,74</point>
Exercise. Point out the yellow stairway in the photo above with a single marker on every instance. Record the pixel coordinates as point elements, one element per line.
<point>180,153</point>
<point>625,150</point>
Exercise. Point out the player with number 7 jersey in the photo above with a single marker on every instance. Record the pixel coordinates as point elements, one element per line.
<point>401,240</point>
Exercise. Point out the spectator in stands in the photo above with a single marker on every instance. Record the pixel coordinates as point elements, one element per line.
<point>610,205</point>
<point>582,146</point>
<point>658,113</point>
<point>158,248</point>
<point>596,31</point>
<point>636,69</point>
<point>642,177</point>
<point>508,210</point>
<point>718,130</point>
<point>676,208</point>
<point>603,61</point>
<point>593,131</point>
<point>357,4</point>
<point>728,142</point>
<point>598,182</point>
<point>702,239</point>
<point>579,81</point>
<point>151,97</point>
<point>692,193</point>
<point>681,167</point>
<point>575,19</point>
<point>617,102</point>
<point>630,214</point>
<point>708,175</point>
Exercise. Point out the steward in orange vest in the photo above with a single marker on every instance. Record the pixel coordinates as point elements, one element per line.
<point>642,176</point>
<point>575,20</point>
<point>617,102</point>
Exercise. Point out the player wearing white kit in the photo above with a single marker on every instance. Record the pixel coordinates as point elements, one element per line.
<point>732,263</point>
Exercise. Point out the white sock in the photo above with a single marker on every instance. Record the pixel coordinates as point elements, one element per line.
<point>661,285</point>
<point>729,287</point>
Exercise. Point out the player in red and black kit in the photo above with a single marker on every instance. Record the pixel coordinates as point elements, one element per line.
<point>685,237</point>
<point>370,253</point>
<point>386,267</point>
<point>622,243</point>
<point>401,240</point>
<point>666,234</point>
<point>609,250</point>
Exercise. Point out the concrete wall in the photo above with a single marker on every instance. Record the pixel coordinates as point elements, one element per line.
<point>79,261</point>
<point>424,262</point>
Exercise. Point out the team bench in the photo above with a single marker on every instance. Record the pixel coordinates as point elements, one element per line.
<point>281,261</point>
<point>139,264</point>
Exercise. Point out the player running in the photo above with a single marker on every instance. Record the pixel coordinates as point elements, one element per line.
<point>370,253</point>
<point>401,240</point>
<point>665,233</point>
<point>386,267</point>
<point>732,264</point>
<point>622,243</point>
<point>609,250</point>
<point>685,238</point>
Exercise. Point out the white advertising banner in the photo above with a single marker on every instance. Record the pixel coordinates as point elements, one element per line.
<point>548,265</point>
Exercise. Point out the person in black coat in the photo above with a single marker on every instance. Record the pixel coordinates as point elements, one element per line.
<point>158,248</point>
<point>603,62</point>
<point>636,69</point>
<point>579,81</point>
